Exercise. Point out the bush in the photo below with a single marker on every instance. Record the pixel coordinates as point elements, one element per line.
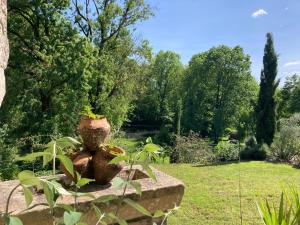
<point>165,136</point>
<point>226,151</point>
<point>253,151</point>
<point>191,149</point>
<point>286,145</point>
<point>8,168</point>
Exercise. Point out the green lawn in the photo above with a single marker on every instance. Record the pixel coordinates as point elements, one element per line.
<point>211,193</point>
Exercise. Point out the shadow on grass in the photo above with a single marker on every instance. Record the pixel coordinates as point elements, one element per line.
<point>215,164</point>
<point>296,166</point>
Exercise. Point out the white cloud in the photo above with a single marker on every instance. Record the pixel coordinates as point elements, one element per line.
<point>286,8</point>
<point>292,63</point>
<point>259,13</point>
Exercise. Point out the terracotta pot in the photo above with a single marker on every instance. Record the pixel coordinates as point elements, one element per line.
<point>94,132</point>
<point>103,171</point>
<point>82,162</point>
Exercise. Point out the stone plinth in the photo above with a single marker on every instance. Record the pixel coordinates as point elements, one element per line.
<point>4,47</point>
<point>161,195</point>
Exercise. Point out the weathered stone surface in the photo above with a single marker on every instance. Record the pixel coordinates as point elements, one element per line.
<point>161,195</point>
<point>4,46</point>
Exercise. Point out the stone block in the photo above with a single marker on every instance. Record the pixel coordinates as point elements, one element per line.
<point>161,195</point>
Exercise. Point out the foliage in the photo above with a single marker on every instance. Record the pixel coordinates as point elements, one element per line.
<point>218,88</point>
<point>165,135</point>
<point>87,111</point>
<point>157,103</point>
<point>253,150</point>
<point>287,212</point>
<point>8,168</point>
<point>286,145</point>
<point>289,97</point>
<point>227,151</point>
<point>191,149</point>
<point>56,67</point>
<point>55,150</point>
<point>266,105</point>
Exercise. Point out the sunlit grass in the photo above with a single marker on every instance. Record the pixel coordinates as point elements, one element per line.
<point>211,193</point>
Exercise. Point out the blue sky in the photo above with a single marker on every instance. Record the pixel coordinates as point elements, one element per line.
<point>192,26</point>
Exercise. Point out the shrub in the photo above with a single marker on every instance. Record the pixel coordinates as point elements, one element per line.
<point>286,145</point>
<point>226,151</point>
<point>253,151</point>
<point>8,168</point>
<point>165,136</point>
<point>191,149</point>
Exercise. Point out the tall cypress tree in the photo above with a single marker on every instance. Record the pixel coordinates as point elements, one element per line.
<point>266,106</point>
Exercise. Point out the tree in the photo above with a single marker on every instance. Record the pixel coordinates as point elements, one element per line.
<point>161,96</point>
<point>47,73</point>
<point>119,56</point>
<point>289,97</point>
<point>219,87</point>
<point>65,56</point>
<point>266,105</point>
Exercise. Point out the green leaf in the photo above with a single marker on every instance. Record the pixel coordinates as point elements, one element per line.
<point>119,221</point>
<point>58,187</point>
<point>49,194</point>
<point>158,214</point>
<point>97,211</point>
<point>32,156</point>
<point>12,220</point>
<point>83,181</point>
<point>71,218</point>
<point>149,140</point>
<point>118,182</point>
<point>118,159</point>
<point>137,186</point>
<point>66,207</point>
<point>67,163</point>
<point>149,171</point>
<point>28,178</point>
<point>137,206</point>
<point>51,150</point>
<point>104,199</point>
<point>66,142</point>
<point>152,147</point>
<point>27,195</point>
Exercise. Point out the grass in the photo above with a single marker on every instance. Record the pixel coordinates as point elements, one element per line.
<point>211,194</point>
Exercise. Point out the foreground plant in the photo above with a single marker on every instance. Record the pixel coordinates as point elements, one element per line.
<point>288,212</point>
<point>52,189</point>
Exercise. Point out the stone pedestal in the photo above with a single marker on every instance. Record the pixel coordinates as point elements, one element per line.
<point>4,47</point>
<point>161,195</point>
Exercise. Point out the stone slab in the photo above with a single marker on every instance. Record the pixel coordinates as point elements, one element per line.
<point>161,195</point>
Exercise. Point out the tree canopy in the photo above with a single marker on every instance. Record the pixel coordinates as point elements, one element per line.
<point>218,90</point>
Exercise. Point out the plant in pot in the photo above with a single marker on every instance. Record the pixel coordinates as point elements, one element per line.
<point>94,129</point>
<point>92,161</point>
